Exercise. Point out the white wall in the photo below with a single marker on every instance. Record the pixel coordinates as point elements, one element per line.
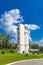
<point>23,39</point>
<point>26,41</point>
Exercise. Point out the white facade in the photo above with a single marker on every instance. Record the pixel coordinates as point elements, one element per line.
<point>23,44</point>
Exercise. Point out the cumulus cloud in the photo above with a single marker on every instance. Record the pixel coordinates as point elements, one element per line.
<point>39,42</point>
<point>9,20</point>
<point>32,26</point>
<point>30,39</point>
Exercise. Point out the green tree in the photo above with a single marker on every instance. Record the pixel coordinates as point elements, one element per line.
<point>7,41</point>
<point>41,48</point>
<point>34,46</point>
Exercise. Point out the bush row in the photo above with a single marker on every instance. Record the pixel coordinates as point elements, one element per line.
<point>3,51</point>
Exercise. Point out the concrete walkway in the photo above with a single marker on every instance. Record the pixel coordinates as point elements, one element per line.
<point>28,62</point>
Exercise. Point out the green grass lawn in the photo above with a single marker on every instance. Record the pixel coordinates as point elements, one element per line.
<point>12,57</point>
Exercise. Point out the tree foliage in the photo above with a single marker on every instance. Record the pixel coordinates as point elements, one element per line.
<point>5,42</point>
<point>34,46</point>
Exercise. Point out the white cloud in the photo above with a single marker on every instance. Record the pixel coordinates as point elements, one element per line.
<point>8,20</point>
<point>12,17</point>
<point>30,39</point>
<point>39,42</point>
<point>32,26</point>
<point>13,40</point>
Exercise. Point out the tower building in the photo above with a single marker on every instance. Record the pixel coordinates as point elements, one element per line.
<point>23,41</point>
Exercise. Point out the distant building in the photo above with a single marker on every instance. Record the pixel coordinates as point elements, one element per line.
<point>33,50</point>
<point>23,41</point>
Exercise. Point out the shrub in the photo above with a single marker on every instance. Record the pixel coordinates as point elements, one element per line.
<point>33,52</point>
<point>11,51</point>
<point>23,52</point>
<point>26,54</point>
<point>37,52</point>
<point>42,54</point>
<point>3,52</point>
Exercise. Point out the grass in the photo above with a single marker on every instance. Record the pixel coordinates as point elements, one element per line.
<point>12,57</point>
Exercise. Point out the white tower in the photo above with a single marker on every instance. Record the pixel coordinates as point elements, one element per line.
<point>23,44</point>
<point>26,41</point>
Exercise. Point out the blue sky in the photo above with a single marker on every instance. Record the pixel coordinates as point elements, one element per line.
<point>32,12</point>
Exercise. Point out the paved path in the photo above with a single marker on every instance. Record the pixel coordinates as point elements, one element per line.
<point>30,62</point>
